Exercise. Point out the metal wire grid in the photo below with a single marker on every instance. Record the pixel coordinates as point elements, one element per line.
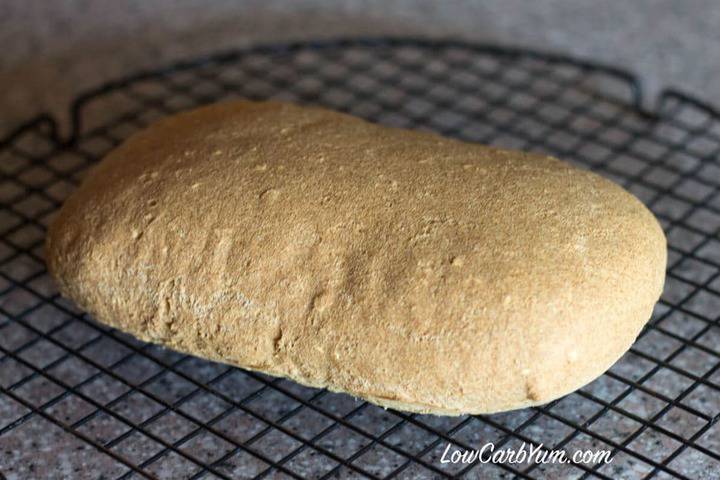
<point>96,401</point>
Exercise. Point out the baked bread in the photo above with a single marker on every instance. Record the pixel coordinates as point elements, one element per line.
<point>414,271</point>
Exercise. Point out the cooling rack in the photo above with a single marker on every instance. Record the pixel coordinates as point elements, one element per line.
<point>80,400</point>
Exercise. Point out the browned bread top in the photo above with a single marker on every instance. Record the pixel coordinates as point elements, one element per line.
<point>408,269</point>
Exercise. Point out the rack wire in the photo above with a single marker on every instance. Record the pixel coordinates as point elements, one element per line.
<point>88,401</point>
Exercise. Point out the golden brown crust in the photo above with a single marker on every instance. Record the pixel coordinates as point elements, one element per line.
<point>411,270</point>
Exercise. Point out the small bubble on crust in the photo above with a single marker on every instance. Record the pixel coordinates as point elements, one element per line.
<point>320,301</point>
<point>531,392</point>
<point>269,195</point>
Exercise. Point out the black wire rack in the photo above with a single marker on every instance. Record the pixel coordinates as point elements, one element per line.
<point>86,401</point>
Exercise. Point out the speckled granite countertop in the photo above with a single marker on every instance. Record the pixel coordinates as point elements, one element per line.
<point>53,50</point>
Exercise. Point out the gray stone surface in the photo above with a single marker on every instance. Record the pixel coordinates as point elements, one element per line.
<point>51,50</point>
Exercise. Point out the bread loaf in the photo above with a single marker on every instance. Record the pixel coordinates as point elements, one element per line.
<point>414,271</point>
